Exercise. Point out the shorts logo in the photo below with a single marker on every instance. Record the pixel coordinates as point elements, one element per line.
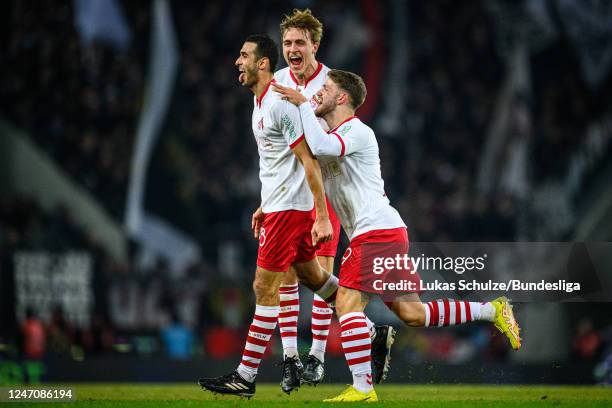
<point>347,255</point>
<point>262,237</point>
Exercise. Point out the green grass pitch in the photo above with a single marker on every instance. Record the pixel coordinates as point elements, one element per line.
<point>269,395</point>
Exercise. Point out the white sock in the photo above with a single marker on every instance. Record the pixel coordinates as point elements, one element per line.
<point>485,312</point>
<point>329,289</point>
<point>318,353</point>
<point>363,382</point>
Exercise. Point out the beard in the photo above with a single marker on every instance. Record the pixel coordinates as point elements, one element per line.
<point>250,77</point>
<point>323,109</point>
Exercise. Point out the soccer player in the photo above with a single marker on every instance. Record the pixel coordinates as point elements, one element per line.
<point>284,224</point>
<point>301,34</point>
<point>350,163</point>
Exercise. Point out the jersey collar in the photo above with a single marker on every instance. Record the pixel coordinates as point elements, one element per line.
<point>264,93</point>
<point>317,71</point>
<point>342,123</point>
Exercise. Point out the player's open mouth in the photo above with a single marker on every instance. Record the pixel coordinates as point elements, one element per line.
<point>295,61</point>
<point>242,76</point>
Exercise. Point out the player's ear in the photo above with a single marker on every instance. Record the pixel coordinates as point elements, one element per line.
<point>261,63</point>
<point>315,48</point>
<point>342,98</point>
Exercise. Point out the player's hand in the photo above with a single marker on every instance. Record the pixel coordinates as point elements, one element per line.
<point>290,94</point>
<point>256,221</point>
<point>322,231</point>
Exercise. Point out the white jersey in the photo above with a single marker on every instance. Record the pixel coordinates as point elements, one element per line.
<point>311,86</point>
<point>350,164</point>
<point>277,129</point>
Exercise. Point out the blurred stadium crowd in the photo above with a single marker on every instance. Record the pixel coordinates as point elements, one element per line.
<point>80,103</point>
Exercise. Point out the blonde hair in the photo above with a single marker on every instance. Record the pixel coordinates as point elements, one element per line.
<point>303,20</point>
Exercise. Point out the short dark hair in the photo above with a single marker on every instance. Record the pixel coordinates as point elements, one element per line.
<point>352,84</point>
<point>266,48</point>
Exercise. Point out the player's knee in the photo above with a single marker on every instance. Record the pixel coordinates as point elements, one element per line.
<point>264,292</point>
<point>312,277</point>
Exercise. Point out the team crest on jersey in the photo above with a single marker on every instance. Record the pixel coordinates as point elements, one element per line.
<point>260,124</point>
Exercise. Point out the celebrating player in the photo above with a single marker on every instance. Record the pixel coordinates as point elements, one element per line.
<point>301,34</point>
<point>350,163</point>
<point>291,179</point>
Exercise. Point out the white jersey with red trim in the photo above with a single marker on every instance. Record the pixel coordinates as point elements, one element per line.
<point>350,163</point>
<point>311,86</point>
<point>277,128</point>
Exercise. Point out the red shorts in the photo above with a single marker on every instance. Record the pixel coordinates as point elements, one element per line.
<point>370,264</point>
<point>330,248</point>
<point>285,239</point>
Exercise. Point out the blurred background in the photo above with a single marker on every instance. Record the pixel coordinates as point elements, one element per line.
<point>128,176</point>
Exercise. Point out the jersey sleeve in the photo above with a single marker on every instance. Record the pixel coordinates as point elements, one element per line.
<point>352,138</point>
<point>345,140</point>
<point>320,142</point>
<point>290,123</point>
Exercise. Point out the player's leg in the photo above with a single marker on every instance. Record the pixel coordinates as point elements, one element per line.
<point>242,381</point>
<point>287,322</point>
<point>291,246</point>
<point>356,343</point>
<point>320,322</point>
<point>325,287</point>
<point>277,250</point>
<point>289,312</point>
<point>354,293</point>
<point>382,336</point>
<point>449,312</point>
<point>314,277</point>
<point>267,309</point>
<point>321,312</point>
<point>321,316</point>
